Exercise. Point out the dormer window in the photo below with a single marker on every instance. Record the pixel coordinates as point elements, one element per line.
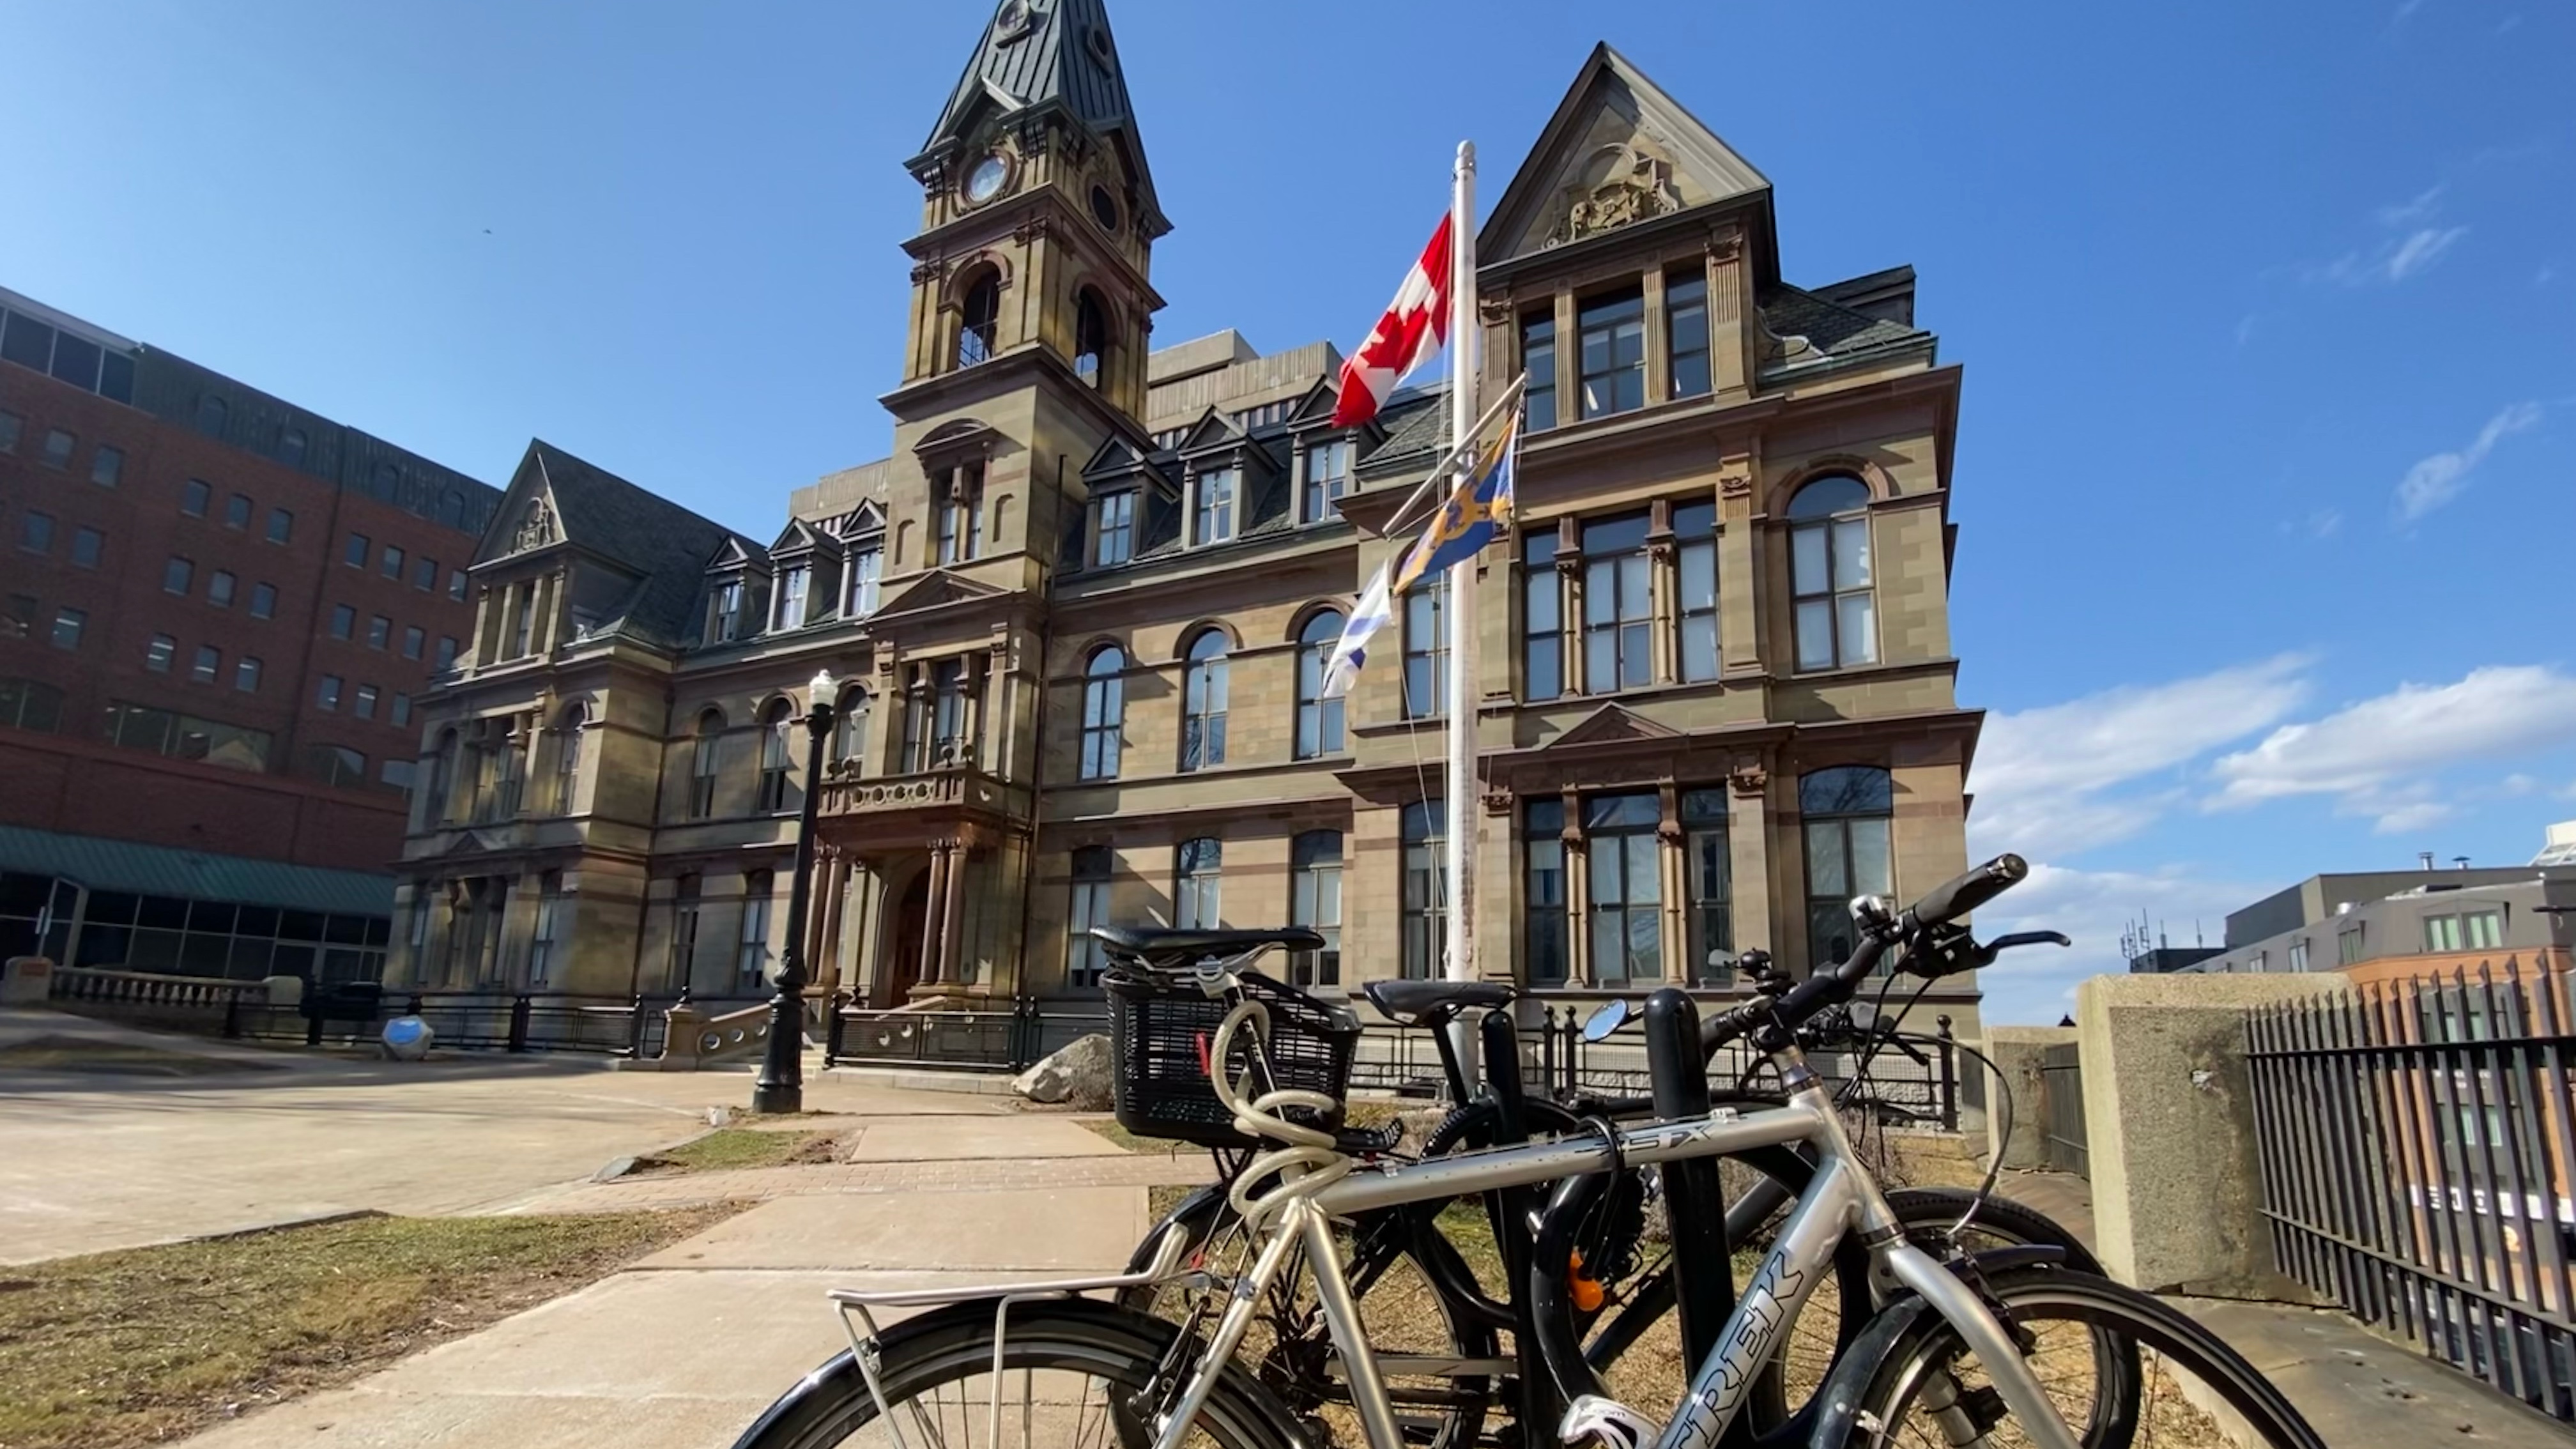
<point>979,326</point>
<point>1212,498</point>
<point>1113,529</point>
<point>1328,477</point>
<point>724,613</point>
<point>867,564</point>
<point>790,612</point>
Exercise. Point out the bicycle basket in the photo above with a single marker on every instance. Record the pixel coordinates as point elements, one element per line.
<point>1162,1035</point>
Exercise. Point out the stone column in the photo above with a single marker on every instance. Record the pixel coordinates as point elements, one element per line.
<point>2169,1129</point>
<point>1569,369</point>
<point>1569,596</point>
<point>1672,877</point>
<point>1733,331</point>
<point>2017,1051</point>
<point>487,626</point>
<point>935,910</point>
<point>952,929</point>
<point>1663,597</point>
<point>1748,858</point>
<point>1578,895</point>
<point>1659,344</point>
<point>1739,616</point>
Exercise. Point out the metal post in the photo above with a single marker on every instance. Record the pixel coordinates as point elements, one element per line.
<point>837,1031</point>
<point>781,1087</point>
<point>518,1022</point>
<point>635,1028</point>
<point>1461,799</point>
<point>1949,1077</point>
<point>1694,1198</point>
<point>232,1013</point>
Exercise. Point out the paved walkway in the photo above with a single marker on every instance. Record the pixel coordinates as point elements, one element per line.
<point>2360,1390</point>
<point>684,1349</point>
<point>107,1161</point>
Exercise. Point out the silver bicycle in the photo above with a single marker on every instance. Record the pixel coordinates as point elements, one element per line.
<point>1960,1355</point>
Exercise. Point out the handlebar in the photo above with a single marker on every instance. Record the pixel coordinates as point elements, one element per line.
<point>1946,902</point>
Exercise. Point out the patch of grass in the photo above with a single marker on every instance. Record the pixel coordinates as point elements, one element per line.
<point>128,1348</point>
<point>728,1148</point>
<point>1109,1129</point>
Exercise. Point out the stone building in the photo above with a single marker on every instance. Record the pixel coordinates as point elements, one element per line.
<point>1078,619</point>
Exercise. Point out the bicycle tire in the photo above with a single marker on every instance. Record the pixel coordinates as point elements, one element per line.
<point>1922,1354</point>
<point>955,1344</point>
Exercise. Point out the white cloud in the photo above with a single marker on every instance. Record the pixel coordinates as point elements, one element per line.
<point>2035,985</point>
<point>2041,775</point>
<point>2414,815</point>
<point>2440,478</point>
<point>2419,250</point>
<point>2378,757</point>
<point>2415,209</point>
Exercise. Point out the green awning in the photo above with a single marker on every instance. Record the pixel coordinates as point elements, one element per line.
<point>158,870</point>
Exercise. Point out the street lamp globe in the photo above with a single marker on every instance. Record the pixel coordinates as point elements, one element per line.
<point>821,687</point>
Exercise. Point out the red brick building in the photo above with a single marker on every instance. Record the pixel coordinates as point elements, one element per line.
<point>216,611</point>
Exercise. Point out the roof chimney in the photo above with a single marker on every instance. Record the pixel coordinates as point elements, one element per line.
<point>2426,857</point>
<point>2461,861</point>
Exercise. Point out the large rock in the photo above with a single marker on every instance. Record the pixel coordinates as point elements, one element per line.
<point>1077,1076</point>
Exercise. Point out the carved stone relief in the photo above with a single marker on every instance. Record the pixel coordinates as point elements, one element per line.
<point>536,530</point>
<point>1618,185</point>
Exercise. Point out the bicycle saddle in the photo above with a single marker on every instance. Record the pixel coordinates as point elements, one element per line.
<point>1409,1002</point>
<point>1159,943</point>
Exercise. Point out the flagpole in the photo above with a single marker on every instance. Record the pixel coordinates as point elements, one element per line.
<point>1461,800</point>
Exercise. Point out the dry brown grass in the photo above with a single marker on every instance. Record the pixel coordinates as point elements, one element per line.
<point>133,1347</point>
<point>728,1148</point>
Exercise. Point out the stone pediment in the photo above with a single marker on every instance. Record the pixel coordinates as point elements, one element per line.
<point>1315,408</point>
<point>733,553</point>
<point>1612,724</point>
<point>868,518</point>
<point>1215,429</point>
<point>935,590</point>
<point>800,538</point>
<point>1617,152</point>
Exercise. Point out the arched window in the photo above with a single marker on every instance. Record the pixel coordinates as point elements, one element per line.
<point>703,758</point>
<point>212,413</point>
<point>850,729</point>
<point>1844,813</point>
<point>1315,899</point>
<point>1829,575</point>
<point>568,758</point>
<point>777,732</point>
<point>1104,711</point>
<point>1319,720</point>
<point>1203,702</point>
<point>1090,336</point>
<point>980,322</point>
<point>1196,867</point>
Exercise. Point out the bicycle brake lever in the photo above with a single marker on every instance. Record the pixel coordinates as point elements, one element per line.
<point>2028,938</point>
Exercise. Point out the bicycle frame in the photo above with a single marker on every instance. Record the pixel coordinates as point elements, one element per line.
<point>1841,1198</point>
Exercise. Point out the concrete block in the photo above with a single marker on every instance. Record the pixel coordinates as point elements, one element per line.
<point>2177,1187</point>
<point>2017,1051</point>
<point>26,981</point>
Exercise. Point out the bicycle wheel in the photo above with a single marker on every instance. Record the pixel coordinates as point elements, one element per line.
<point>1072,1372</point>
<point>1441,1361</point>
<point>1929,1392</point>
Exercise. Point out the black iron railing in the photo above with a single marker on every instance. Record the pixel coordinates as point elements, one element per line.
<point>2416,1142</point>
<point>1008,1038</point>
<point>1915,1082</point>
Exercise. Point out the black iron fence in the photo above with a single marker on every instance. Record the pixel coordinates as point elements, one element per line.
<point>1909,1081</point>
<point>2416,1143</point>
<point>1010,1038</point>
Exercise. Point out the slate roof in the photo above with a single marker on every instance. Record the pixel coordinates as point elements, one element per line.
<point>1034,56</point>
<point>1834,330</point>
<point>667,544</point>
<point>1416,426</point>
<point>158,870</point>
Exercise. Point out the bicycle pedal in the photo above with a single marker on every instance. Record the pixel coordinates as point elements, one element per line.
<point>1606,1423</point>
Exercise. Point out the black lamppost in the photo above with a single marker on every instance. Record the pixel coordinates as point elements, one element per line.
<point>781,1086</point>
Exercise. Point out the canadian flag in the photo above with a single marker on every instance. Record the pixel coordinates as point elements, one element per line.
<point>1413,329</point>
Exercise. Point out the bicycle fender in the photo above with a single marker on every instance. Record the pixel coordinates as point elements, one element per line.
<point>1836,1407</point>
<point>1204,1203</point>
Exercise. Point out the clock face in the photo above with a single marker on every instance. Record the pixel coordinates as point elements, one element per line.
<point>985,181</point>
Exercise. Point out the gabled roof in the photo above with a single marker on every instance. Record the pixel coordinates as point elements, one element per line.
<point>1215,428</point>
<point>867,518</point>
<point>594,510</point>
<point>1612,724</point>
<point>801,538</point>
<point>735,551</point>
<point>932,591</point>
<point>1315,408</point>
<point>1118,456</point>
<point>1038,55</point>
<point>1618,150</point>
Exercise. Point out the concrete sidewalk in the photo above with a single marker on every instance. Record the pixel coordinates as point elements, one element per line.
<point>684,1349</point>
<point>2359,1390</point>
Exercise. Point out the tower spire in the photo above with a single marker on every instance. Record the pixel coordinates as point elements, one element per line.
<point>1042,60</point>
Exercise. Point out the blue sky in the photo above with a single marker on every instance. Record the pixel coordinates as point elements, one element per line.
<point>2267,469</point>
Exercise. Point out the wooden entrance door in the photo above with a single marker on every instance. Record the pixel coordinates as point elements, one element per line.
<point>911,926</point>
